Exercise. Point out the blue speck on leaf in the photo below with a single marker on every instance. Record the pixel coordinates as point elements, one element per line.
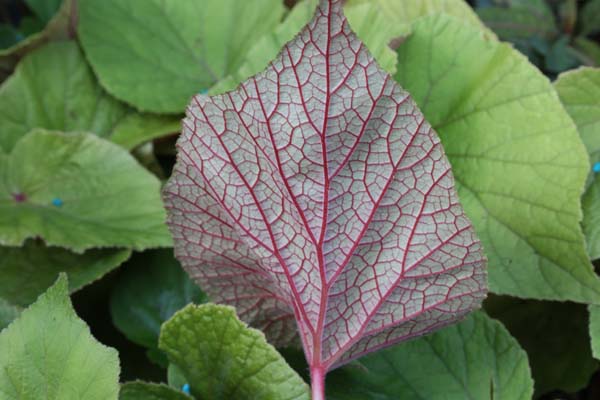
<point>204,91</point>
<point>57,202</point>
<point>186,388</point>
<point>596,167</point>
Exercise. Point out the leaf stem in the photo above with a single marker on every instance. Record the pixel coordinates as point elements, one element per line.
<point>317,381</point>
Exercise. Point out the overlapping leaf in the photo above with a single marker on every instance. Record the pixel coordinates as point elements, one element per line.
<point>150,391</point>
<point>378,23</point>
<point>155,55</point>
<point>78,191</point>
<point>150,290</point>
<point>579,91</point>
<point>317,192</point>
<point>8,312</point>
<point>48,353</point>
<point>137,128</point>
<point>28,270</point>
<point>476,359</point>
<point>54,88</point>
<point>519,164</point>
<point>224,359</point>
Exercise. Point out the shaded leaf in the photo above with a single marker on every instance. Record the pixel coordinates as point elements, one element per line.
<point>149,391</point>
<point>44,9</point>
<point>48,353</point>
<point>8,35</point>
<point>530,25</point>
<point>595,330</point>
<point>475,359</point>
<point>136,129</point>
<point>58,27</point>
<point>29,270</point>
<point>78,191</point>
<point>590,17</point>
<point>190,46</point>
<point>579,92</point>
<point>491,107</point>
<point>317,192</point>
<point>588,51</point>
<point>520,22</point>
<point>555,337</point>
<point>561,56</point>
<point>8,313</point>
<point>30,25</point>
<point>224,359</point>
<point>591,218</point>
<point>152,287</point>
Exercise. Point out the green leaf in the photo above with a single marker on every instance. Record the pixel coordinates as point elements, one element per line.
<point>54,88</point>
<point>579,92</point>
<point>151,289</point>
<point>27,271</point>
<point>519,164</point>
<point>78,191</point>
<point>561,56</point>
<point>530,27</point>
<point>475,359</point>
<point>376,22</point>
<point>136,129</point>
<point>175,376</point>
<point>44,9</point>
<point>588,51</point>
<point>155,55</point>
<point>48,353</point>
<point>595,330</point>
<point>591,218</point>
<point>8,313</point>
<point>555,337</point>
<point>266,48</point>
<point>224,359</point>
<point>590,17</point>
<point>520,21</point>
<point>150,391</point>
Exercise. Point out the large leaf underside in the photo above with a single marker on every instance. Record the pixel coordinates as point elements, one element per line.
<point>317,192</point>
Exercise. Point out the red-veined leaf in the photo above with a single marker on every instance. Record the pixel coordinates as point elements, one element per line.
<point>317,195</point>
